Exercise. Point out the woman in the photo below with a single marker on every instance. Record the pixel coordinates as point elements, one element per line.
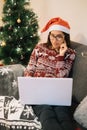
<point>53,59</point>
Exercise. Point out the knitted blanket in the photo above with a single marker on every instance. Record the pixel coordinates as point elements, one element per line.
<point>14,115</point>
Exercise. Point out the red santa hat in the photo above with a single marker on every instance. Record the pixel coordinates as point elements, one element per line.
<point>57,24</point>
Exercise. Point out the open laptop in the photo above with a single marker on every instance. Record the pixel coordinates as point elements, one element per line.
<point>45,91</point>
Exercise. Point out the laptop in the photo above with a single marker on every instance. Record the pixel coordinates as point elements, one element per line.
<point>45,91</point>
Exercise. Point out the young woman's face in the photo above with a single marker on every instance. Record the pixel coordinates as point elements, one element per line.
<point>56,38</point>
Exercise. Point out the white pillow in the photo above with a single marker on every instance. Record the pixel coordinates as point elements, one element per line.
<point>80,114</point>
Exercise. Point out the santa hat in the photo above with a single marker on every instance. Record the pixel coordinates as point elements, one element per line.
<point>57,24</point>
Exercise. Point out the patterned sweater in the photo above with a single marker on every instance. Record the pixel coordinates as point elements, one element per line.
<point>46,62</point>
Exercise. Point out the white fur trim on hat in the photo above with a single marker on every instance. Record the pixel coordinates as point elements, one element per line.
<point>60,28</point>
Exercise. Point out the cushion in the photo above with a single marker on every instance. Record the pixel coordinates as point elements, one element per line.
<point>8,79</point>
<point>80,114</point>
<point>79,71</point>
<point>15,116</point>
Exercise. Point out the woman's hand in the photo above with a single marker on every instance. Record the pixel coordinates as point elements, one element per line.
<point>63,49</point>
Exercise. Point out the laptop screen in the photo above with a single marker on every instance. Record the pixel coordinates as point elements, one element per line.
<point>50,91</point>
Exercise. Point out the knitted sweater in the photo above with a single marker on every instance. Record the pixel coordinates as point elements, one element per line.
<point>45,62</point>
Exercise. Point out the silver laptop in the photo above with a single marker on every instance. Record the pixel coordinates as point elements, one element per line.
<point>45,91</point>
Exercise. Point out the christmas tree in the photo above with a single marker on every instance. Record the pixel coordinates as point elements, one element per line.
<point>19,35</point>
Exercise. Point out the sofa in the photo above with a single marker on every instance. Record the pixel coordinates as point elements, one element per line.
<point>14,115</point>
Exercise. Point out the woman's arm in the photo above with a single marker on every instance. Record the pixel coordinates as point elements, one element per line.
<point>65,64</point>
<point>31,67</point>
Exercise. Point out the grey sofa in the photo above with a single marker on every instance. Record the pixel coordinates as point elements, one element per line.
<point>9,86</point>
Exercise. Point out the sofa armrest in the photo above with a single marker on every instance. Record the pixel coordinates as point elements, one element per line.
<point>8,79</point>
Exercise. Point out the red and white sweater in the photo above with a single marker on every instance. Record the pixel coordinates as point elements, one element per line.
<point>46,62</point>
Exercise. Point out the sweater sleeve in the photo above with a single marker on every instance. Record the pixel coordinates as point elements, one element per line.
<point>65,64</point>
<point>31,67</point>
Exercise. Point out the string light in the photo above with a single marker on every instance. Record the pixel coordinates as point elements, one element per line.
<point>18,20</point>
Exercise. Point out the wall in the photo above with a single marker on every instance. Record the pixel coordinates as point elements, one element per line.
<point>1,9</point>
<point>74,11</point>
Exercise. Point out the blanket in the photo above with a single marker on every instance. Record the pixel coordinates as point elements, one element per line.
<point>14,115</point>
